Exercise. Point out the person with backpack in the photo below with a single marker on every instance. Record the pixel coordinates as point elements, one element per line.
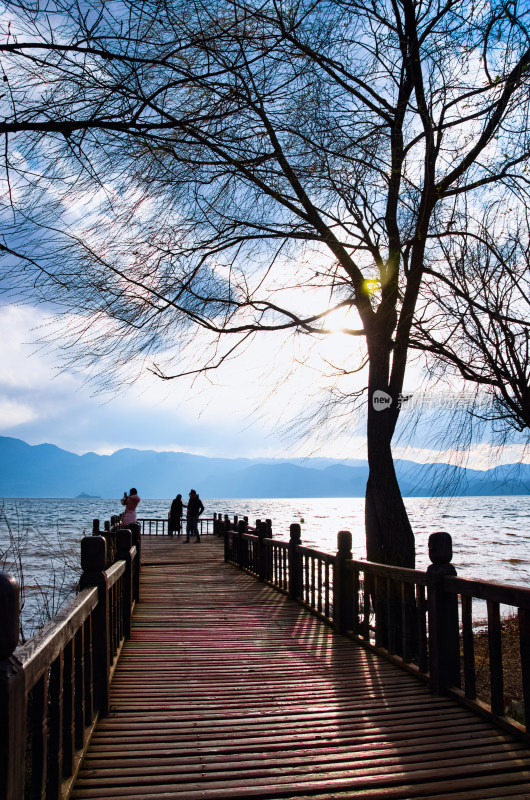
<point>195,509</point>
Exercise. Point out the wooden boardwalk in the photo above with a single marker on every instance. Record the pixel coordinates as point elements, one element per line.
<point>227,689</point>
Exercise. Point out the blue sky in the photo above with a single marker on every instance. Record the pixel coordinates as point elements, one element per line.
<point>244,413</point>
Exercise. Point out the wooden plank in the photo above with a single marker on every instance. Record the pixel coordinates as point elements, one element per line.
<point>256,767</point>
<point>329,749</point>
<point>228,689</point>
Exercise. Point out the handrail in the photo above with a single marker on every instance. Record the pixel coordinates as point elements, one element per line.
<point>36,655</point>
<point>215,525</point>
<point>386,571</point>
<point>311,552</point>
<point>159,526</point>
<point>55,687</point>
<point>114,572</point>
<point>421,621</point>
<point>505,593</point>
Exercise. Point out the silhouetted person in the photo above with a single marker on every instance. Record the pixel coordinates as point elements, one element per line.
<point>195,509</point>
<point>175,516</point>
<point>130,501</point>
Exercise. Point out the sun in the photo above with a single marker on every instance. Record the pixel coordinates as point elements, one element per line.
<point>339,346</point>
<point>339,320</point>
<point>369,286</point>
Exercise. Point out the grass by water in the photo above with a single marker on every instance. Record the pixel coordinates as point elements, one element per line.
<point>511,659</point>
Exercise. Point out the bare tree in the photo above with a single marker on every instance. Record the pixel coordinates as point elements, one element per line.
<point>475,315</point>
<point>249,158</point>
<point>39,602</point>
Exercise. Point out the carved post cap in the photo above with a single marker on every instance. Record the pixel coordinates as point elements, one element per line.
<point>440,547</point>
<point>262,530</point>
<point>95,527</point>
<point>344,541</point>
<point>9,615</point>
<point>241,526</point>
<point>93,553</point>
<point>107,525</point>
<point>124,539</point>
<point>295,532</point>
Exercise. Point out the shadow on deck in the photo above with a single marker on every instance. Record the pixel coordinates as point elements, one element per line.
<point>228,689</point>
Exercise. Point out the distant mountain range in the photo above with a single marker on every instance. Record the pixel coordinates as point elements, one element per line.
<point>47,471</point>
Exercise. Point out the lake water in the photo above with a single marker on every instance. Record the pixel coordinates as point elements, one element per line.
<point>491,535</point>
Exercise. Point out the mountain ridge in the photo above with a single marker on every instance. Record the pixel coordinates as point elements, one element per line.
<point>46,470</point>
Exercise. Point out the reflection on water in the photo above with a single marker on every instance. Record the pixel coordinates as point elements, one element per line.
<point>491,535</point>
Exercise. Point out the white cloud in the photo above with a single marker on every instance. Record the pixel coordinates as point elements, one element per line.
<point>26,362</point>
<point>481,456</point>
<point>13,413</point>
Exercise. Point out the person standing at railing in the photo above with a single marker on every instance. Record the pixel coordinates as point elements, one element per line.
<point>195,509</point>
<point>130,501</point>
<point>175,516</point>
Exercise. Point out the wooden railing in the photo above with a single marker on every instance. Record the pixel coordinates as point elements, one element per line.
<point>422,621</point>
<point>158,526</point>
<point>54,687</point>
<point>316,585</point>
<point>216,524</point>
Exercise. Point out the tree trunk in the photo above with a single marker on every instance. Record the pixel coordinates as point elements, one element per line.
<point>389,537</point>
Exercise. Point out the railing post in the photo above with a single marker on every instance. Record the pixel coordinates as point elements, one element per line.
<point>295,540</point>
<point>444,642</point>
<point>95,528</point>
<point>262,533</point>
<point>93,562</point>
<point>136,533</point>
<point>242,544</point>
<point>124,540</point>
<point>227,540</point>
<point>12,694</point>
<point>343,585</point>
